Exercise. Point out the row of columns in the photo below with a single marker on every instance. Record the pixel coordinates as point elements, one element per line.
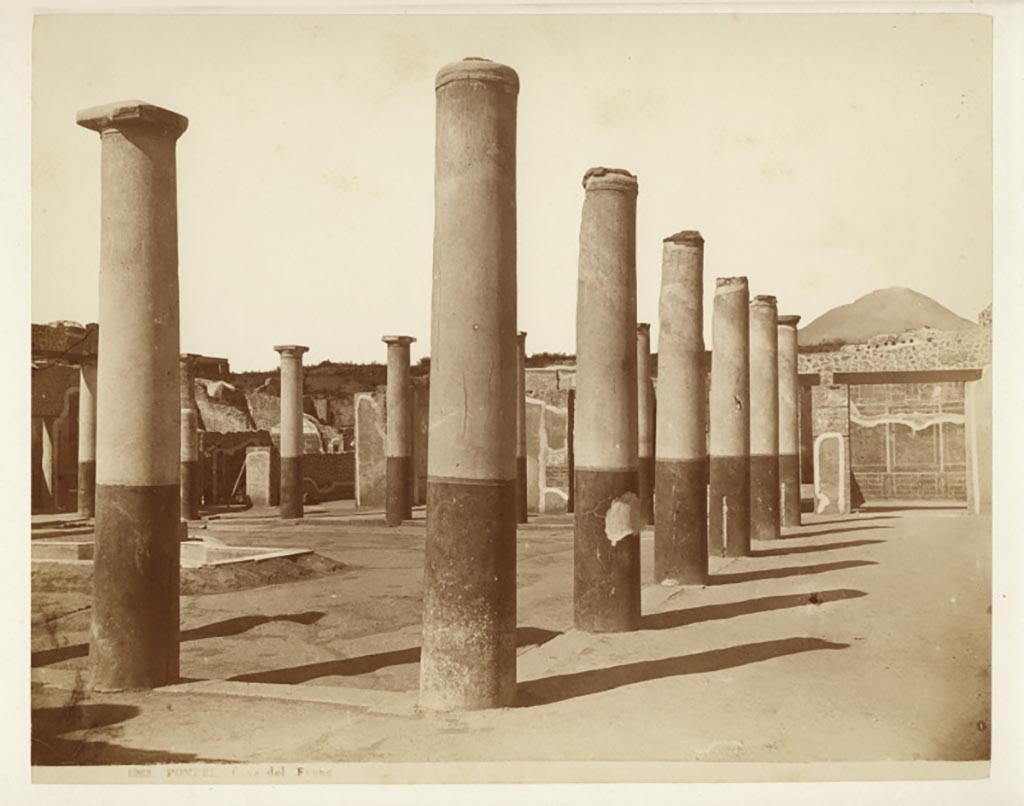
<point>477,422</point>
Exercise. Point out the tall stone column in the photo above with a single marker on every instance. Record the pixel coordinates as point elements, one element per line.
<point>398,445</point>
<point>729,496</point>
<point>136,563</point>
<point>570,449</point>
<point>468,658</point>
<point>291,436</point>
<point>645,422</point>
<point>606,590</point>
<point>522,494</point>
<point>191,482</point>
<point>49,461</point>
<point>681,474</point>
<point>87,438</point>
<point>789,427</point>
<point>764,419</point>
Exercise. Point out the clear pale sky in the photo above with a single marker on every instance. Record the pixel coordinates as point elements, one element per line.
<point>823,156</point>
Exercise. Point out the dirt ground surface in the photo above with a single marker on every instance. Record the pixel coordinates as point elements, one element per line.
<point>858,638</point>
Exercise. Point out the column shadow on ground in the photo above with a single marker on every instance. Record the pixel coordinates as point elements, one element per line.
<point>854,519</point>
<point>49,749</point>
<point>348,667</point>
<point>561,687</point>
<point>218,629</point>
<point>693,615</point>
<point>781,573</point>
<point>821,532</point>
<point>782,552</point>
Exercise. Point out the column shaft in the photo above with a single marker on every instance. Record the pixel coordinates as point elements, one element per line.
<point>87,440</point>
<point>789,413</point>
<point>764,419</point>
<point>468,658</point>
<point>645,422</point>
<point>570,449</point>
<point>190,478</point>
<point>521,477</point>
<point>606,590</point>
<point>729,498</point>
<point>136,564</point>
<point>291,431</point>
<point>398,445</point>
<point>681,471</point>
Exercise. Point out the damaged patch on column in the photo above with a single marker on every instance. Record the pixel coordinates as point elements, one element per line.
<point>624,518</point>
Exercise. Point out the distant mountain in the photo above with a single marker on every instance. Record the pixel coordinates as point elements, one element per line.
<point>888,311</point>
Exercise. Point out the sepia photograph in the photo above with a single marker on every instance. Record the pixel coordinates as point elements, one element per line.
<point>520,396</point>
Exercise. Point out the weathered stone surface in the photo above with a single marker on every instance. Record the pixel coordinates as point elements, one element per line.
<point>371,471</point>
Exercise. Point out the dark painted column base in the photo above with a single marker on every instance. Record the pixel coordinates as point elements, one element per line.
<point>764,498</point>
<point>190,490</point>
<point>645,487</point>
<point>292,489</point>
<point>87,489</point>
<point>789,484</point>
<point>681,522</point>
<point>398,498</point>
<point>134,641</point>
<point>468,659</point>
<point>521,491</point>
<point>606,575</point>
<point>729,524</point>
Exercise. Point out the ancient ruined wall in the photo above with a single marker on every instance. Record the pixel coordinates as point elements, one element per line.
<point>370,443</point>
<point>907,441</point>
<point>915,350</point>
<point>329,476</point>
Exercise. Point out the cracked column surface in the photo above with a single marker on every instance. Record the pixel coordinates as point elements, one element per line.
<point>291,436</point>
<point>606,590</point>
<point>190,479</point>
<point>764,419</point>
<point>468,660</point>
<point>398,445</point>
<point>681,471</point>
<point>645,423</point>
<point>134,634</point>
<point>729,477</point>
<point>87,438</point>
<point>789,429</point>
<point>521,493</point>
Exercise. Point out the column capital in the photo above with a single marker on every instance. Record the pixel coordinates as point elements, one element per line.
<point>764,300</point>
<point>291,349</point>
<point>521,336</point>
<point>788,320</point>
<point>600,178</point>
<point>643,328</point>
<point>135,115</point>
<point>399,340</point>
<point>689,237</point>
<point>474,68</point>
<point>727,285</point>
